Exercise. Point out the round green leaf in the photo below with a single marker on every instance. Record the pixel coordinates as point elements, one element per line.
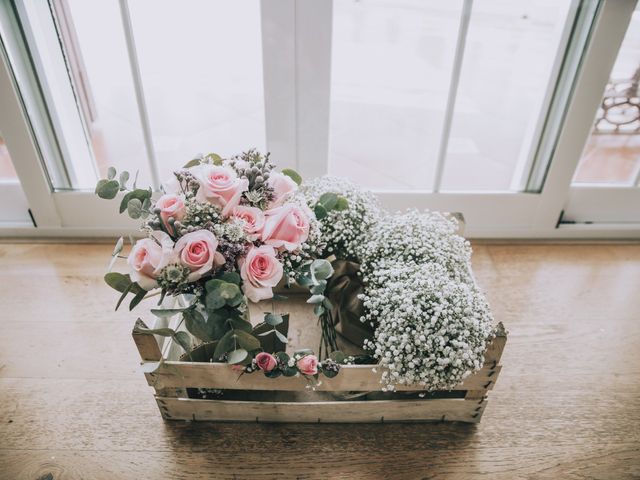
<point>134,208</point>
<point>321,269</point>
<point>111,173</point>
<point>328,200</point>
<point>273,319</point>
<point>320,211</point>
<point>107,189</point>
<point>293,175</point>
<point>342,204</point>
<point>246,340</point>
<point>237,356</point>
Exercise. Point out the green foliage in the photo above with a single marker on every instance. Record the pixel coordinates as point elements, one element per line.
<point>237,356</point>
<point>138,194</point>
<point>328,202</point>
<point>293,175</point>
<point>183,339</point>
<point>273,319</point>
<point>107,189</point>
<point>192,163</point>
<point>221,293</point>
<point>321,270</point>
<point>123,284</point>
<point>213,158</point>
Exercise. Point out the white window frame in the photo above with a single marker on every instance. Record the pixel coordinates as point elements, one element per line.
<point>297,70</point>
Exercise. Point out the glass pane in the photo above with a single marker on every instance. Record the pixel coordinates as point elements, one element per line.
<point>391,65</point>
<point>508,67</point>
<point>201,66</point>
<point>7,171</point>
<point>391,74</point>
<point>15,207</point>
<point>202,81</point>
<point>612,153</point>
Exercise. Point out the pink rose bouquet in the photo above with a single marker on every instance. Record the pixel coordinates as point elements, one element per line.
<point>222,233</point>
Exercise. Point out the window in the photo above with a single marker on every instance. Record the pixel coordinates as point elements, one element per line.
<point>476,106</point>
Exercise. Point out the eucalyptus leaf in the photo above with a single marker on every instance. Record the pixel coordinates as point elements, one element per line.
<point>118,247</point>
<point>230,277</point>
<point>214,301</point>
<point>330,373</point>
<point>337,356</point>
<point>293,175</point>
<point>140,294</point>
<point>163,332</point>
<point>214,158</point>
<point>229,291</point>
<point>316,299</point>
<point>111,173</point>
<point>320,212</point>
<point>107,189</point>
<point>342,204</point>
<point>196,325</point>
<point>124,295</point>
<point>225,344</point>
<point>134,208</point>
<point>167,312</point>
<point>321,269</point>
<point>328,200</point>
<point>246,340</point>
<point>237,356</point>
<point>240,324</point>
<point>319,288</point>
<point>213,284</point>
<point>124,178</point>
<point>138,193</point>
<point>281,337</point>
<point>192,163</point>
<point>304,281</point>
<point>273,319</point>
<point>117,281</point>
<point>183,339</point>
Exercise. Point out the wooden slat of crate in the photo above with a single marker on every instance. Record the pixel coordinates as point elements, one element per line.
<point>373,411</point>
<point>357,378</point>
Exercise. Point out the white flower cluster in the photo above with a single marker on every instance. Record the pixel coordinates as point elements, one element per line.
<point>343,230</point>
<point>415,237</point>
<point>431,330</point>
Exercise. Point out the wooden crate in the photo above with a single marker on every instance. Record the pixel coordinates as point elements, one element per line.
<point>354,395</point>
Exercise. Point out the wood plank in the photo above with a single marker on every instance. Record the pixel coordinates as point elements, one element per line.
<point>374,411</point>
<point>147,344</point>
<point>357,378</point>
<point>73,404</point>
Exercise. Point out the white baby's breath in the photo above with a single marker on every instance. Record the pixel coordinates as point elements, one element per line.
<point>431,329</point>
<point>343,230</point>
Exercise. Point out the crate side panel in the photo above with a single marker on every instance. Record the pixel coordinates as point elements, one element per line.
<point>358,378</point>
<point>460,410</point>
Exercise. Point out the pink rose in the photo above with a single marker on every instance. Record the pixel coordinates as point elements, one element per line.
<point>148,257</point>
<point>253,220</point>
<point>286,226</point>
<point>219,186</point>
<point>308,365</point>
<point>260,271</point>
<point>282,186</point>
<point>266,362</point>
<point>171,205</point>
<point>197,251</point>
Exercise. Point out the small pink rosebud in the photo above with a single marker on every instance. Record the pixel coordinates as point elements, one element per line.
<point>308,365</point>
<point>266,362</point>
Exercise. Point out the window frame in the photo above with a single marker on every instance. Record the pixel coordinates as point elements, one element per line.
<point>297,71</point>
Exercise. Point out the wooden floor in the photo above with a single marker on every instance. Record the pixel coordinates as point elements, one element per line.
<point>566,406</point>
